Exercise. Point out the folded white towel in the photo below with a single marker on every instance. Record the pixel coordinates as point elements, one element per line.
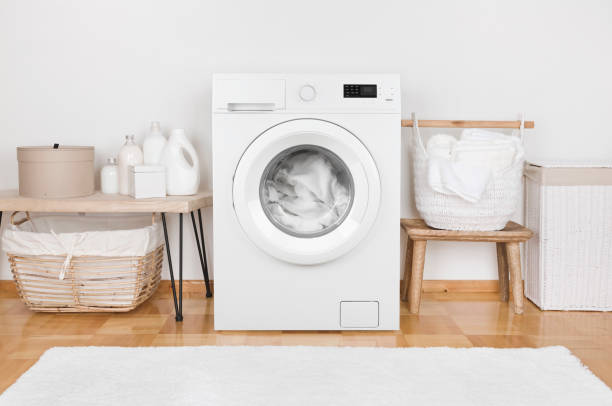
<point>441,146</point>
<point>489,137</point>
<point>458,178</point>
<point>495,158</point>
<point>495,150</point>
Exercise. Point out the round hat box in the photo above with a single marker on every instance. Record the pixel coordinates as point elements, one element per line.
<point>56,171</point>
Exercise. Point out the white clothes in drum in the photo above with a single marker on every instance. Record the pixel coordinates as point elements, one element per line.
<point>306,192</point>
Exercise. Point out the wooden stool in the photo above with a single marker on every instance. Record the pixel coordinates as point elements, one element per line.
<point>508,257</point>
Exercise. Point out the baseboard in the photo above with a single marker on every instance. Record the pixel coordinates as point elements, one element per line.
<point>467,286</point>
<point>432,286</point>
<point>188,286</point>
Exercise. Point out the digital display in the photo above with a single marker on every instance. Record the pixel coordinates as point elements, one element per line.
<point>357,91</point>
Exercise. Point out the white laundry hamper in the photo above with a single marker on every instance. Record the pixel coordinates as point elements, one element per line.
<point>451,212</point>
<point>569,259</point>
<point>82,263</point>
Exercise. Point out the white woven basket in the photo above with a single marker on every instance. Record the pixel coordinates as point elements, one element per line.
<point>569,258</point>
<point>450,212</point>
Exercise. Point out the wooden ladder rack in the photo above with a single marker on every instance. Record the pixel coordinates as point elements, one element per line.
<point>468,124</point>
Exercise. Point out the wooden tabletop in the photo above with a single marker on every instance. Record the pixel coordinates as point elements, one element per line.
<point>104,203</point>
<point>418,230</point>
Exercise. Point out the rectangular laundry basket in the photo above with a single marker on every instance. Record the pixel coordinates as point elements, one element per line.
<point>569,259</point>
<point>84,264</point>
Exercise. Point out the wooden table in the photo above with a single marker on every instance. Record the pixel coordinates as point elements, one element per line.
<point>103,203</point>
<point>508,257</point>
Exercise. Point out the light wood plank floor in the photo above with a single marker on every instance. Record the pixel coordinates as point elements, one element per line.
<point>446,319</point>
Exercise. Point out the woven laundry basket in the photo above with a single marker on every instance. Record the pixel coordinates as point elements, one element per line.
<point>59,265</point>
<point>569,259</point>
<point>450,212</point>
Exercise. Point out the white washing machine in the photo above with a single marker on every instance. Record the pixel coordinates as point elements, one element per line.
<point>306,181</point>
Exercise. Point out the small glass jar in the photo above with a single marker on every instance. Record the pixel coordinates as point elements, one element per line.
<point>109,177</point>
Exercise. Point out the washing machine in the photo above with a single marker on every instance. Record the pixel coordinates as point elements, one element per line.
<point>306,186</point>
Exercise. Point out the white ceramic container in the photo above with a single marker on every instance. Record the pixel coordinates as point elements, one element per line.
<point>129,155</point>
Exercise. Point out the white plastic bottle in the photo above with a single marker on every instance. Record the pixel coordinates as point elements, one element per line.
<point>109,177</point>
<point>153,145</point>
<point>130,154</point>
<point>182,176</point>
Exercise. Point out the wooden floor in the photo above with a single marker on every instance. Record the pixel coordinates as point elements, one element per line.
<point>446,319</point>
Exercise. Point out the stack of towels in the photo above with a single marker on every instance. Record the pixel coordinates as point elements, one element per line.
<point>465,166</point>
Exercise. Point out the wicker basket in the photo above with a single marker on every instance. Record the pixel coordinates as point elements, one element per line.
<point>89,284</point>
<point>569,260</point>
<point>450,212</point>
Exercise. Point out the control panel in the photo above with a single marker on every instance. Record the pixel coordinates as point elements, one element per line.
<point>360,91</point>
<point>306,93</point>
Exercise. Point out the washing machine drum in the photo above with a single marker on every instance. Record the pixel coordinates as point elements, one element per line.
<point>306,191</point>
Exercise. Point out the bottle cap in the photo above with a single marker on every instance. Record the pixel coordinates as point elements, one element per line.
<point>111,160</point>
<point>155,127</point>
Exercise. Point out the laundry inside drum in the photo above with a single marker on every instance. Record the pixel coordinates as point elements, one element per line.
<point>306,191</point>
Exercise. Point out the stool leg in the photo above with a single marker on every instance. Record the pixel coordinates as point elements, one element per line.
<point>407,267</point>
<point>502,270</point>
<point>514,263</point>
<point>416,279</point>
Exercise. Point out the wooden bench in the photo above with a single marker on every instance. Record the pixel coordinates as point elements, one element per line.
<point>10,200</point>
<point>508,257</point>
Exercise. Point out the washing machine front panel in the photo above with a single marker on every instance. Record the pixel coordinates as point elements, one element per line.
<point>277,288</point>
<point>306,191</point>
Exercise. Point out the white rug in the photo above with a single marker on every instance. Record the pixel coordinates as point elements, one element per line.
<point>307,376</point>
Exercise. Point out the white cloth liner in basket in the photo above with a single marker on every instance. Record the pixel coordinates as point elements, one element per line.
<point>484,202</point>
<point>117,236</point>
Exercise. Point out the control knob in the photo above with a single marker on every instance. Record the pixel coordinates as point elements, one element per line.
<point>308,93</point>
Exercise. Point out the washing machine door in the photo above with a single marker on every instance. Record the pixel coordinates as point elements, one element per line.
<point>306,191</point>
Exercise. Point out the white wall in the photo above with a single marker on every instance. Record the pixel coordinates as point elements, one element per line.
<point>88,72</point>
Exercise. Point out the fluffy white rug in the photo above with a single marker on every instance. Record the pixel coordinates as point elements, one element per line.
<point>307,376</point>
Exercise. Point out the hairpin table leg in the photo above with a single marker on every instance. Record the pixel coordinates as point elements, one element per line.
<point>201,250</point>
<point>179,317</point>
<point>177,311</point>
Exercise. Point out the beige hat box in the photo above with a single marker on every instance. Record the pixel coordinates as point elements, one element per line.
<point>56,171</point>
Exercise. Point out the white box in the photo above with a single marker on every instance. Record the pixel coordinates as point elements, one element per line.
<point>146,181</point>
<point>569,258</point>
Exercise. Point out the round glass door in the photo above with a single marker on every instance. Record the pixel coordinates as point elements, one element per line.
<point>306,191</point>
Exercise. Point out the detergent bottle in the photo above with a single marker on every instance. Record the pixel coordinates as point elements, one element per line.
<point>153,145</point>
<point>182,165</point>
